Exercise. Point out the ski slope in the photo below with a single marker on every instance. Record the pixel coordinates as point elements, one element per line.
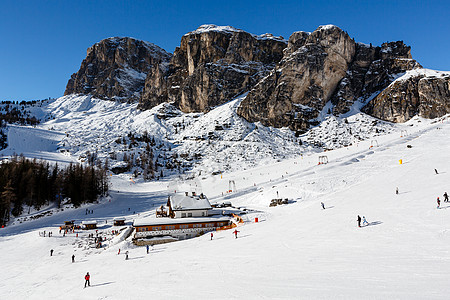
<point>295,251</point>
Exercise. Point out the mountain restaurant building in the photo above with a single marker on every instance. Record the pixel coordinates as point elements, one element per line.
<point>188,216</point>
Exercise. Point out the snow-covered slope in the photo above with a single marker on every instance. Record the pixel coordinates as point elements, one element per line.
<point>194,143</point>
<point>295,251</point>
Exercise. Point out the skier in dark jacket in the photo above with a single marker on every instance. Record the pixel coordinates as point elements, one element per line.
<point>445,197</point>
<point>359,221</point>
<point>51,252</point>
<point>73,258</point>
<point>87,277</point>
<point>323,205</point>
<point>438,202</point>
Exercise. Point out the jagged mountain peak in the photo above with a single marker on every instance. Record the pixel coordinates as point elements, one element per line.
<point>116,68</point>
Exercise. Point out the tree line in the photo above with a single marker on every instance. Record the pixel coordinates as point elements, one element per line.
<point>28,183</point>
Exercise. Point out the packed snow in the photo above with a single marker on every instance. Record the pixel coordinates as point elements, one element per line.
<point>295,250</point>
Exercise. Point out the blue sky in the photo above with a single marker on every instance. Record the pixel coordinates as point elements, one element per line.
<point>44,42</point>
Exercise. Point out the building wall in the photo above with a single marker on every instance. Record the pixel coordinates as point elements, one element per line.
<point>190,213</point>
<point>180,231</point>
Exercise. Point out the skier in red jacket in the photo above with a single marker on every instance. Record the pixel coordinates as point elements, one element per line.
<point>235,233</point>
<point>87,282</point>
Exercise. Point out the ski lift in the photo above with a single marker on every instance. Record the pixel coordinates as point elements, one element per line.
<point>323,159</point>
<point>403,133</point>
<point>231,186</point>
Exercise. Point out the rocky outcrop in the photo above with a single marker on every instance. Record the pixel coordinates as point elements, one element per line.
<point>212,65</point>
<point>291,83</point>
<point>297,90</point>
<point>116,68</point>
<point>372,70</point>
<point>420,92</point>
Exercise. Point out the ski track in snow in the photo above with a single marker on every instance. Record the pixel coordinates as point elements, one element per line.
<point>295,251</point>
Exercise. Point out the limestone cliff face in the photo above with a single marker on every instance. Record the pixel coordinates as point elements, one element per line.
<point>372,70</point>
<point>289,83</point>
<point>297,90</point>
<point>116,68</point>
<point>420,92</point>
<point>212,65</point>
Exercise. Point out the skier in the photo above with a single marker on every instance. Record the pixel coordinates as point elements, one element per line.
<point>235,233</point>
<point>87,277</point>
<point>445,197</point>
<point>148,248</point>
<point>51,252</point>
<point>119,252</point>
<point>438,202</point>
<point>359,221</point>
<point>323,205</point>
<point>73,258</point>
<point>365,223</point>
<point>435,170</point>
<point>396,191</point>
<point>211,236</point>
<point>126,255</point>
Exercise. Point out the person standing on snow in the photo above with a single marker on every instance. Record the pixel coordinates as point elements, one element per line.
<point>126,255</point>
<point>435,170</point>
<point>323,205</point>
<point>438,202</point>
<point>87,278</point>
<point>359,221</point>
<point>235,233</point>
<point>73,258</point>
<point>51,252</point>
<point>396,191</point>
<point>445,197</point>
<point>365,223</point>
<point>148,248</point>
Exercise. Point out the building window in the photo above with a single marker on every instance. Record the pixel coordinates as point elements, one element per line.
<point>184,226</point>
<point>203,214</point>
<point>183,215</point>
<point>189,214</point>
<point>155,228</point>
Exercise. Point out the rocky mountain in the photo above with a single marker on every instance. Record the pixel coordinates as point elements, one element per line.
<point>419,92</point>
<point>116,68</point>
<point>294,83</point>
<point>326,65</point>
<point>213,65</point>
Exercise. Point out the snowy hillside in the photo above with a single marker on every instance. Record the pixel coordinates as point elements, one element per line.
<point>82,127</point>
<point>295,251</point>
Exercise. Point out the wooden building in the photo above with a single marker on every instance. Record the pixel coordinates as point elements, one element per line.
<point>120,221</point>
<point>183,205</point>
<point>68,224</point>
<point>180,229</point>
<point>89,224</point>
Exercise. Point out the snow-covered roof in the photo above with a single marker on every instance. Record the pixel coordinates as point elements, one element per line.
<point>152,221</point>
<point>119,219</point>
<point>89,222</point>
<point>182,202</point>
